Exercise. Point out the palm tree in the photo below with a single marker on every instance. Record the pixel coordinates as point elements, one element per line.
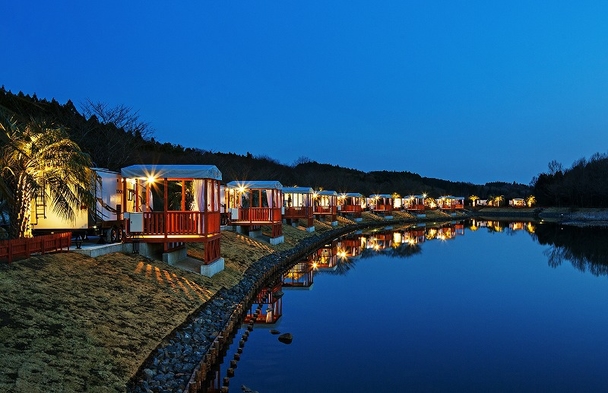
<point>38,159</point>
<point>473,199</point>
<point>531,200</point>
<point>498,199</point>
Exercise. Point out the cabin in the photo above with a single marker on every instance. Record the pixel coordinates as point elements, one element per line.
<point>414,203</point>
<point>104,218</point>
<point>517,202</point>
<point>326,206</point>
<point>168,206</point>
<point>351,204</point>
<point>298,205</point>
<point>450,203</point>
<point>397,202</point>
<point>254,204</point>
<point>382,204</point>
<point>481,202</point>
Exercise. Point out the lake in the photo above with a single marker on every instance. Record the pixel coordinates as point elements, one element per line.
<point>477,306</point>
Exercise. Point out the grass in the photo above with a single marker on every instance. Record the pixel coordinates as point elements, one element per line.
<point>71,323</point>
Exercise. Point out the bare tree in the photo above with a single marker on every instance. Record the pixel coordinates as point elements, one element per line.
<point>118,134</point>
<point>120,116</point>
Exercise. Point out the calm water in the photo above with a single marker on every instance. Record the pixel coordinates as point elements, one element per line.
<point>484,311</point>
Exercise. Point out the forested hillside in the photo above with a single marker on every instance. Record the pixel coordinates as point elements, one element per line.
<point>584,184</point>
<point>116,137</point>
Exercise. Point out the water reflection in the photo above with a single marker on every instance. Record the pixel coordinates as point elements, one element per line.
<point>482,329</point>
<point>585,248</point>
<point>270,303</point>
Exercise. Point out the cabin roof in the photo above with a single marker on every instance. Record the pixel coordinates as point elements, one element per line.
<point>172,171</point>
<point>297,190</point>
<point>327,192</point>
<point>353,194</point>
<point>256,184</point>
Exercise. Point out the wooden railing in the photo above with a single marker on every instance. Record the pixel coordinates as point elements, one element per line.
<point>326,209</point>
<point>298,212</point>
<point>351,208</point>
<point>383,208</point>
<point>181,223</point>
<point>452,206</point>
<point>24,247</point>
<point>415,207</point>
<point>259,214</point>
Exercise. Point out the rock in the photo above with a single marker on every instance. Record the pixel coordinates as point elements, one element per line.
<point>286,338</point>
<point>149,373</point>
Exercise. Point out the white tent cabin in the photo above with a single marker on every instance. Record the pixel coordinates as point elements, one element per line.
<point>326,205</point>
<point>252,204</point>
<point>104,218</point>
<point>172,205</point>
<point>298,205</point>
<point>381,204</point>
<point>352,204</point>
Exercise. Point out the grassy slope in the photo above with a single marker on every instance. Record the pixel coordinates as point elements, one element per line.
<point>73,323</point>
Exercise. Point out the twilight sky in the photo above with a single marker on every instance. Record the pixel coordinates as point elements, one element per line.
<point>471,91</point>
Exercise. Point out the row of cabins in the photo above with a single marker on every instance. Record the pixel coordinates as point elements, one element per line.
<point>161,208</point>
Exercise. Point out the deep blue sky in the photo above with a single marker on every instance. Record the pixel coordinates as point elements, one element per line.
<point>477,91</point>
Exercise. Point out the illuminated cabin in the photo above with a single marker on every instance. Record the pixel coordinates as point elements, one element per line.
<point>414,203</point>
<point>326,206</point>
<point>168,206</point>
<point>300,275</point>
<point>397,202</point>
<point>253,204</point>
<point>450,203</point>
<point>517,202</point>
<point>298,204</point>
<point>351,204</point>
<point>382,204</point>
<point>105,218</point>
<point>271,301</point>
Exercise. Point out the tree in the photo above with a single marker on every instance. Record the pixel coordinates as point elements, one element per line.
<point>473,199</point>
<point>38,159</point>
<point>113,135</point>
<point>120,116</point>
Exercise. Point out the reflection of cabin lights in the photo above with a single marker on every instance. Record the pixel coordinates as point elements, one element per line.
<point>315,266</point>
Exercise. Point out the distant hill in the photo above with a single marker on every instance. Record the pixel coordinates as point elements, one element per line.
<point>114,147</point>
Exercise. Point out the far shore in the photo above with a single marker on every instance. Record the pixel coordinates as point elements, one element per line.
<point>69,322</point>
<point>580,217</point>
